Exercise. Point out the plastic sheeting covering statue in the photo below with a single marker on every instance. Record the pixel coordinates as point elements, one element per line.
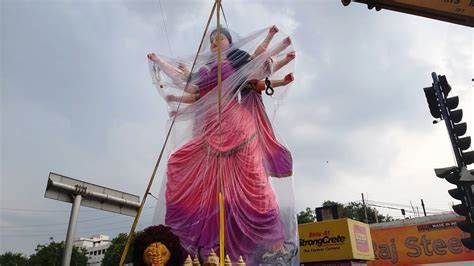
<point>232,148</point>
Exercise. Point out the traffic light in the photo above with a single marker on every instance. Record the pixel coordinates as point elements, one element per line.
<point>456,128</point>
<point>444,108</point>
<point>433,104</point>
<point>464,181</point>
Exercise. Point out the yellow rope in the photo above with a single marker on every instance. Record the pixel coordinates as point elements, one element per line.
<point>135,222</point>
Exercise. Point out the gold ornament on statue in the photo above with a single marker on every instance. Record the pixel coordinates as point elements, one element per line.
<point>212,260</point>
<point>188,261</point>
<point>196,261</point>
<point>240,262</point>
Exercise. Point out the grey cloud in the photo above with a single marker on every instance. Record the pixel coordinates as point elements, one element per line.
<point>77,99</point>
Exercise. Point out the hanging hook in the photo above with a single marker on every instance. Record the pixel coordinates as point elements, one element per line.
<point>269,90</point>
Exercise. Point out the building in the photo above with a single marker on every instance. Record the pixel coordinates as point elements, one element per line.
<point>96,247</point>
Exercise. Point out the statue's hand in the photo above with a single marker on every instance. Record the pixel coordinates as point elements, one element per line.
<point>273,30</point>
<point>152,57</point>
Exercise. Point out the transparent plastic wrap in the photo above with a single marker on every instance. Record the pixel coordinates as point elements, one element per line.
<point>229,145</point>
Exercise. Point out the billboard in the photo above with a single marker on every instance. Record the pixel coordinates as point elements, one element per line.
<point>341,239</point>
<point>460,7</point>
<point>455,11</point>
<point>60,187</point>
<point>422,243</point>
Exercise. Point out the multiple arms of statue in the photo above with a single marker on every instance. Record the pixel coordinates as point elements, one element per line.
<point>180,74</point>
<point>264,44</point>
<point>269,66</point>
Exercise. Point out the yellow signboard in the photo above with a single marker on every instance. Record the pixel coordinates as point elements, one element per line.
<point>462,7</point>
<point>455,11</point>
<point>342,239</point>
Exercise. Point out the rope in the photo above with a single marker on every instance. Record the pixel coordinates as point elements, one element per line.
<point>164,24</point>
<point>135,222</point>
<point>225,19</point>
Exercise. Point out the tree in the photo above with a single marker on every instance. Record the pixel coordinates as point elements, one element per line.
<point>356,211</point>
<point>51,254</point>
<point>114,251</point>
<point>13,259</point>
<point>306,216</point>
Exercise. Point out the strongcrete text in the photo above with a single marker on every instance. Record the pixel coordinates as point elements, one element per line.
<point>322,241</point>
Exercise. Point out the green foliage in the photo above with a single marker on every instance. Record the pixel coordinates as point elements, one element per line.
<point>356,211</point>
<point>306,216</point>
<point>114,251</point>
<point>329,203</point>
<point>13,259</point>
<point>51,254</point>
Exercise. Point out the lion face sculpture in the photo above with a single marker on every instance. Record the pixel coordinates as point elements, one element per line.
<point>156,254</point>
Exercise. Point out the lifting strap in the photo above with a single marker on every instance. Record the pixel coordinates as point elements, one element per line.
<point>150,182</point>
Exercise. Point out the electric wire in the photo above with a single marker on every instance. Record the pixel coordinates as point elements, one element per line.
<point>56,224</point>
<point>37,210</point>
<point>40,210</point>
<point>65,228</point>
<point>400,205</point>
<point>394,208</point>
<point>77,233</point>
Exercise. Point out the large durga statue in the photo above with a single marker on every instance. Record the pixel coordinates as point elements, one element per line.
<point>223,141</point>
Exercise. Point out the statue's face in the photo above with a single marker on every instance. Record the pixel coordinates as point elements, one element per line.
<point>156,254</point>
<point>223,41</point>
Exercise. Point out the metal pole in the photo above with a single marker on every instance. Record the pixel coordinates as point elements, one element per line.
<point>71,230</point>
<point>365,208</point>
<point>413,209</point>
<point>423,205</point>
<point>447,120</point>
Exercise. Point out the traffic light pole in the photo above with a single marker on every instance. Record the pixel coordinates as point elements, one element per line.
<point>443,108</point>
<point>466,188</point>
<point>447,119</point>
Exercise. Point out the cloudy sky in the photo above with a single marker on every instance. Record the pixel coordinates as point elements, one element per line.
<point>76,99</point>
